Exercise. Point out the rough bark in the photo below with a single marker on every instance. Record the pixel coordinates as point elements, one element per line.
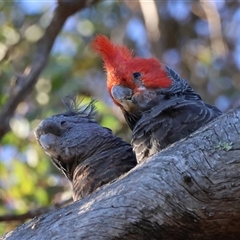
<point>190,190</point>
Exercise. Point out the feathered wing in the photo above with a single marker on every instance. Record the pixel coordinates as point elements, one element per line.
<point>169,122</point>
<point>102,168</point>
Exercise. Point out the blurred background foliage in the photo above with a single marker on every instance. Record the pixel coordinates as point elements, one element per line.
<point>199,39</point>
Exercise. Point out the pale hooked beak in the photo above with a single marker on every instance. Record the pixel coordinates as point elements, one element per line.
<point>141,100</point>
<point>123,95</point>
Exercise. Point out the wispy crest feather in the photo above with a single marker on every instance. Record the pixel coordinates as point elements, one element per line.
<point>120,64</point>
<point>111,52</point>
<point>74,106</point>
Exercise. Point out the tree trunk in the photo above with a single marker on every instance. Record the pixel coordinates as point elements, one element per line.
<point>190,190</point>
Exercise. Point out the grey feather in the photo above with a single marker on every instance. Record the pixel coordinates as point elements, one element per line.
<point>86,153</point>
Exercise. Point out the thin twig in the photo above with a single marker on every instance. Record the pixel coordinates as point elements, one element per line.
<point>215,28</point>
<point>25,83</point>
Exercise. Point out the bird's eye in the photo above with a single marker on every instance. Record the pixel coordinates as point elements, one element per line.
<point>63,123</point>
<point>136,74</point>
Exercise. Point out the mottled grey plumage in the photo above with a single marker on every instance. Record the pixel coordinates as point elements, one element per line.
<point>88,155</point>
<point>169,122</point>
<point>163,116</point>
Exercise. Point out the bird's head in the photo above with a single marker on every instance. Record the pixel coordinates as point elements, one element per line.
<point>129,77</point>
<point>138,84</point>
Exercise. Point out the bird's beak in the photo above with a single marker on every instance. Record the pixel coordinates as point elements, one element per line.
<point>123,95</point>
<point>140,100</point>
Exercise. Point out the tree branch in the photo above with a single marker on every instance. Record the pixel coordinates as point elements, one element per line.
<point>33,213</point>
<point>25,83</point>
<point>188,191</point>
